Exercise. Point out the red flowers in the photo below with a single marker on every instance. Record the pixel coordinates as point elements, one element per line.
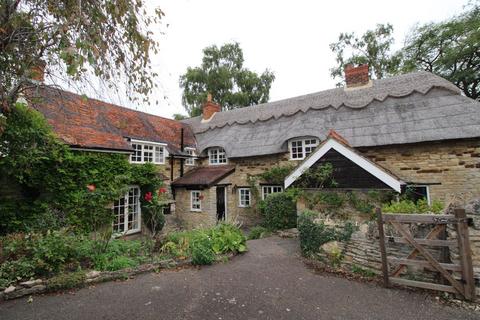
<point>91,187</point>
<point>162,190</point>
<point>148,196</point>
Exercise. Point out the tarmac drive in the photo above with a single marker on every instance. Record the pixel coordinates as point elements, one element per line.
<point>267,282</point>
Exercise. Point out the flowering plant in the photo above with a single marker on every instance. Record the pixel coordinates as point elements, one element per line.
<point>155,203</point>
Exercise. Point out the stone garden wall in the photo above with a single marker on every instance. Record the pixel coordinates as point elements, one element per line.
<point>362,250</point>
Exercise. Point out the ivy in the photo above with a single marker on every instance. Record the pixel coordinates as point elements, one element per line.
<point>276,175</point>
<point>52,180</point>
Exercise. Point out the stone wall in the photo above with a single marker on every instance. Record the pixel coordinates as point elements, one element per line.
<point>449,167</point>
<point>363,250</point>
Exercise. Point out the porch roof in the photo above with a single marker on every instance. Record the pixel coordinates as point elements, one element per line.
<point>204,176</point>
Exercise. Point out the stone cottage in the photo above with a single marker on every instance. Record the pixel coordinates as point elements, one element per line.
<point>414,130</point>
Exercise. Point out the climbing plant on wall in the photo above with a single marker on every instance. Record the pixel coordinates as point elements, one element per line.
<point>55,185</point>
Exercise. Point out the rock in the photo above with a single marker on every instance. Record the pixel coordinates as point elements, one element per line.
<point>93,274</point>
<point>9,290</point>
<point>330,247</point>
<point>473,207</point>
<point>31,283</point>
<point>288,233</point>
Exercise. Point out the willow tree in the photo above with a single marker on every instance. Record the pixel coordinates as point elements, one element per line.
<point>76,38</point>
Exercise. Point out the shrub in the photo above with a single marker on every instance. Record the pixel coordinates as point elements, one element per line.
<point>119,263</point>
<point>279,212</point>
<point>198,243</point>
<point>227,238</point>
<point>408,206</point>
<point>201,250</point>
<point>314,234</point>
<point>258,232</point>
<point>23,256</point>
<point>66,281</point>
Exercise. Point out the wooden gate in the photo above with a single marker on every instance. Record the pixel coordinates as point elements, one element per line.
<point>464,286</point>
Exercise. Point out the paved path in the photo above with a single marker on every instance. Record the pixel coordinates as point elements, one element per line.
<point>268,282</point>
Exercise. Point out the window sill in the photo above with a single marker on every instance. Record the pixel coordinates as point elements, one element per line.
<point>195,210</point>
<point>127,233</point>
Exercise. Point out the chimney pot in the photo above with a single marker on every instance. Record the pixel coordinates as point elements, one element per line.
<point>356,76</point>
<point>210,108</point>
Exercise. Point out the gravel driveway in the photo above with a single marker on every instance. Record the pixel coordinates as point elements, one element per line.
<point>268,282</point>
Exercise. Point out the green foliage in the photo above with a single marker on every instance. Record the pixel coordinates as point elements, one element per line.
<point>201,249</point>
<point>365,206</point>
<point>53,179</point>
<point>112,40</point>
<point>154,203</point>
<point>66,281</point>
<point>227,238</point>
<point>23,256</point>
<point>449,49</point>
<point>367,273</point>
<point>258,232</point>
<point>220,239</point>
<point>276,175</point>
<point>373,48</point>
<point>119,263</point>
<point>279,211</point>
<point>408,206</point>
<point>313,234</point>
<point>320,176</point>
<point>223,75</point>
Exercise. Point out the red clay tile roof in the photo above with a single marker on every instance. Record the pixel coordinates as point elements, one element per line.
<point>203,176</point>
<point>90,123</point>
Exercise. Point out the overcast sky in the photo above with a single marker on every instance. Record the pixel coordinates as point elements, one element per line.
<point>291,38</point>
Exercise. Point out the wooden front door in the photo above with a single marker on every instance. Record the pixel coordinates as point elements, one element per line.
<point>220,203</point>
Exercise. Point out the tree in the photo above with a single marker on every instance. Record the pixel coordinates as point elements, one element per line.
<point>450,49</point>
<point>373,48</point>
<point>222,74</point>
<point>110,39</point>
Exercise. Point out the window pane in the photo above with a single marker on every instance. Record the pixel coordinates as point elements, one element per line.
<point>137,153</point>
<point>297,149</point>
<point>159,157</point>
<point>133,208</point>
<point>195,200</point>
<point>147,153</point>
<point>189,161</point>
<point>119,215</point>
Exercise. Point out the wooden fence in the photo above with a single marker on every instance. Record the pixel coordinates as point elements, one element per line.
<point>464,286</point>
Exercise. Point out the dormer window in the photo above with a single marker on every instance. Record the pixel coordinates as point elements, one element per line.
<point>301,148</point>
<point>190,161</point>
<point>148,152</point>
<point>217,156</point>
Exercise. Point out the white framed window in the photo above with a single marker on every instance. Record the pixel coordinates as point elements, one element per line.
<point>148,152</point>
<point>244,197</point>
<point>190,161</point>
<point>301,148</point>
<point>416,192</point>
<point>127,212</point>
<point>195,201</point>
<point>217,156</point>
<point>266,190</point>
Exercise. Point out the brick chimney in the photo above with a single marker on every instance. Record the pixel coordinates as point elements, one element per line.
<point>209,108</point>
<point>356,76</point>
<point>37,72</point>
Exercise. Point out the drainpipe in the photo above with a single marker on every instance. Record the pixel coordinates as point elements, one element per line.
<point>181,149</point>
